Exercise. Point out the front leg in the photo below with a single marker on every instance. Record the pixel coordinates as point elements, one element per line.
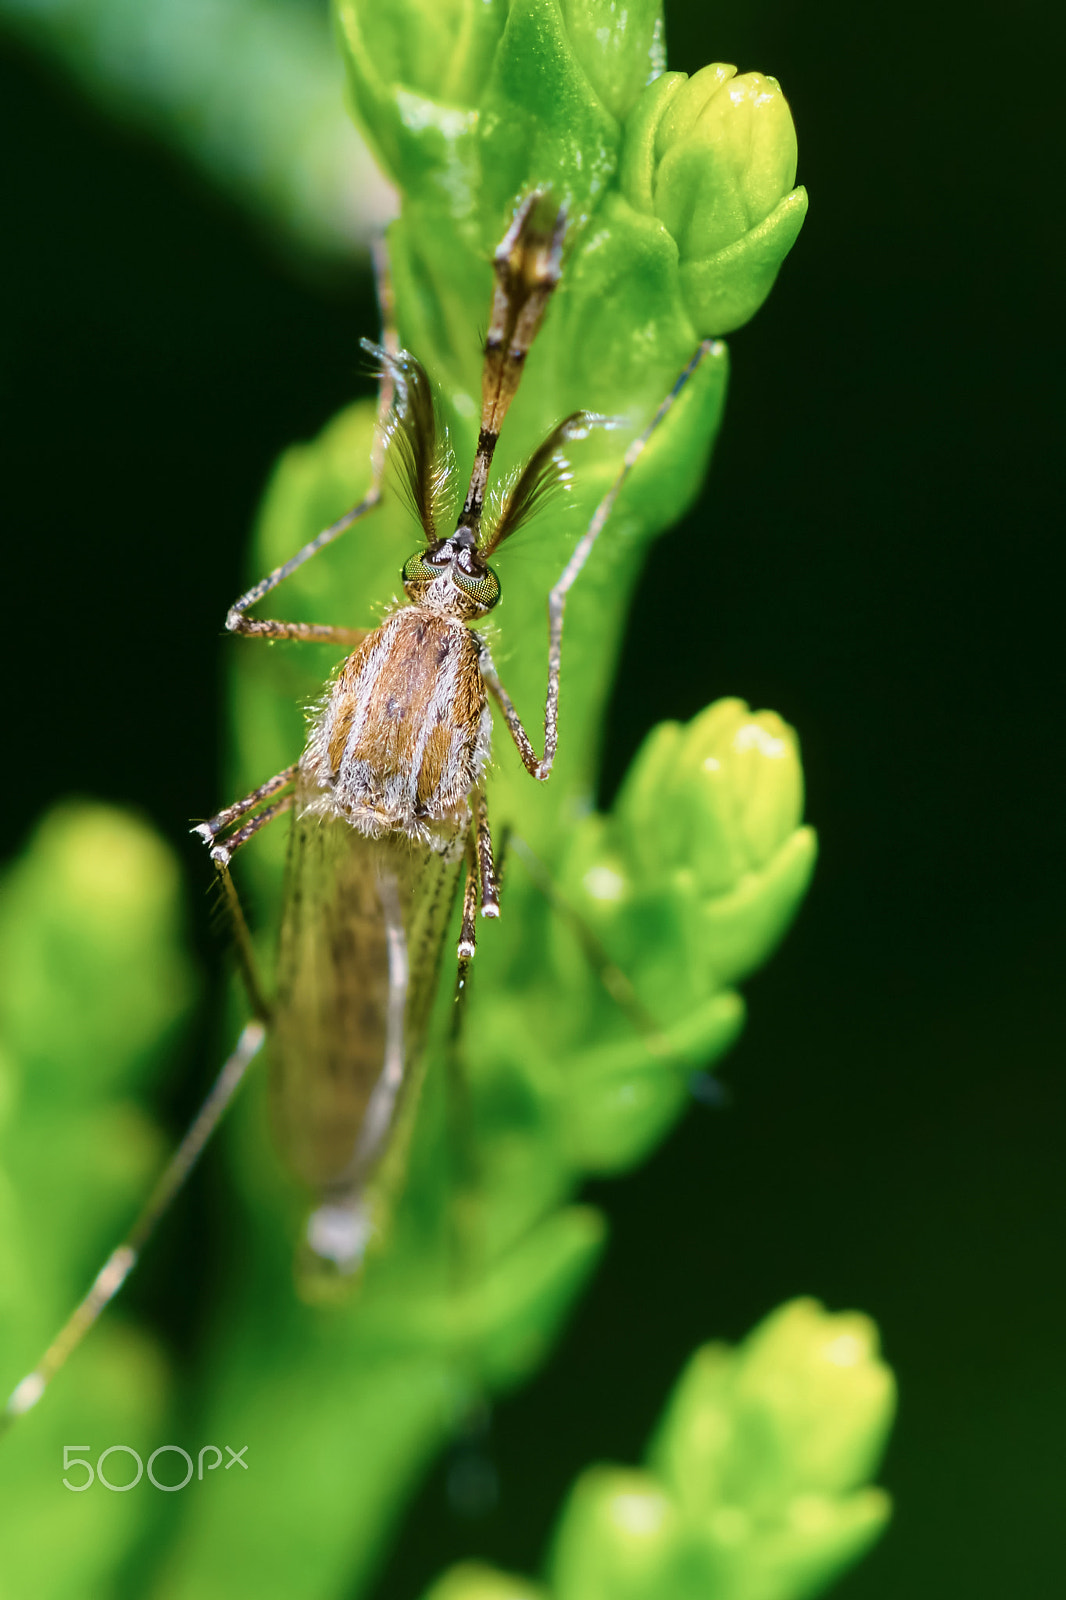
<point>237,621</point>
<point>539,768</point>
<point>534,765</point>
<point>308,632</point>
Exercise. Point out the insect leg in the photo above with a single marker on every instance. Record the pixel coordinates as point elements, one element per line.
<point>121,1262</point>
<point>307,632</point>
<point>210,830</point>
<point>481,882</point>
<point>222,853</point>
<point>468,931</point>
<point>490,888</point>
<point>466,1243</point>
<point>242,939</point>
<point>462,1244</point>
<point>236,620</point>
<point>540,767</point>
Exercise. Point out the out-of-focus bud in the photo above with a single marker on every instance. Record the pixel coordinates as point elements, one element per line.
<point>621,1537</point>
<point>766,1449</point>
<point>473,1581</point>
<point>802,1407</point>
<point>93,972</point>
<point>713,157</point>
<point>755,1486</point>
<point>818,1381</point>
<point>425,48</point>
<point>415,72</point>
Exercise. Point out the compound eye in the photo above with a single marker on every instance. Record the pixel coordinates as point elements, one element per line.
<point>416,569</point>
<point>483,588</point>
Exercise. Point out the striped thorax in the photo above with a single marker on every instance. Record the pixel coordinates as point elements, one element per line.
<point>405,734</point>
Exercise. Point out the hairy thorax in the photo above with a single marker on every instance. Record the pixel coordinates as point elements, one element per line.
<point>405,734</point>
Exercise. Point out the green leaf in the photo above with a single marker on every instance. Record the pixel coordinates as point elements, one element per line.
<point>620,47</point>
<point>247,91</point>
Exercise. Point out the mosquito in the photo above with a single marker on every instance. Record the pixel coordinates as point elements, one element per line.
<point>388,799</point>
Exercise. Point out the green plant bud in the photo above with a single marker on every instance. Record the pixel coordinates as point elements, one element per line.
<point>814,1541</point>
<point>621,1537</point>
<point>464,105</point>
<point>726,152</point>
<point>703,863</point>
<point>801,1409</point>
<point>713,157</point>
<point>818,1381</point>
<point>93,975</point>
<point>472,1581</point>
<point>693,1446</point>
<point>414,75</point>
<point>737,931</point>
<point>720,794</point>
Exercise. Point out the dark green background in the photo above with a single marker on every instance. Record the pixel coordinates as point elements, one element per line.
<point>874,557</point>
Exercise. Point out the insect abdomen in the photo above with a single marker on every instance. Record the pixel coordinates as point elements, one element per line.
<point>332,1034</point>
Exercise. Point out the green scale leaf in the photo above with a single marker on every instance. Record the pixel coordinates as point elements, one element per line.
<point>688,883</point>
<point>468,110</point>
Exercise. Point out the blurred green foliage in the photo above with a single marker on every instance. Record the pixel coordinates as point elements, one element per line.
<point>247,91</point>
<point>592,1004</point>
<point>94,983</point>
<point>755,1485</point>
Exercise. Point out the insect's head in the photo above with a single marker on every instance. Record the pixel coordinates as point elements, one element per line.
<point>452,575</point>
